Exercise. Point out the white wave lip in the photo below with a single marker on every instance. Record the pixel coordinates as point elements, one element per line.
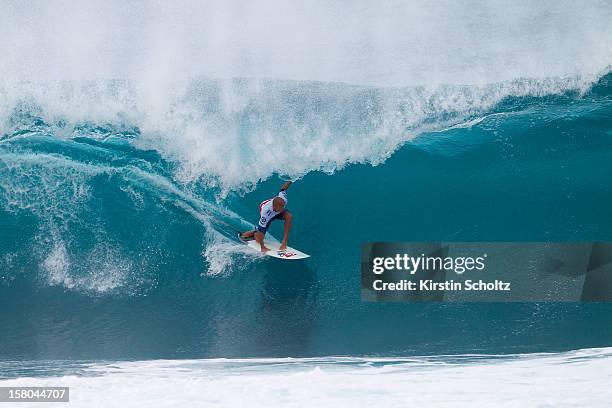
<point>571,379</point>
<point>142,65</point>
<point>231,134</point>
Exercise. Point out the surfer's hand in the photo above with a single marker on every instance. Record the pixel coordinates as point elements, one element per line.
<point>282,246</point>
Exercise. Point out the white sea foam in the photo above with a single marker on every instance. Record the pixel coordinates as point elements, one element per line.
<point>57,265</point>
<point>572,379</point>
<point>233,133</point>
<point>102,270</point>
<point>224,256</point>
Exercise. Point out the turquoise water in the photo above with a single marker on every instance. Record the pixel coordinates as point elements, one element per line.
<point>117,240</point>
<point>137,137</point>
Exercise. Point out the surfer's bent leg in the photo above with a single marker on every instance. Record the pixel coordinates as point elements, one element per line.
<point>259,237</point>
<point>247,234</point>
<point>259,234</point>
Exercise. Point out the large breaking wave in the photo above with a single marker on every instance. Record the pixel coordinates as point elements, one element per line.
<point>127,165</point>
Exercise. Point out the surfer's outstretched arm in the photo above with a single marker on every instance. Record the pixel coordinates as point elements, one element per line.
<point>288,221</point>
<point>286,185</point>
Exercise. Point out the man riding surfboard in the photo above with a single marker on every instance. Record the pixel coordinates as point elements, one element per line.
<point>270,210</point>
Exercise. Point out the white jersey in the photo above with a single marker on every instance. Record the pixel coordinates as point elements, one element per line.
<point>266,210</point>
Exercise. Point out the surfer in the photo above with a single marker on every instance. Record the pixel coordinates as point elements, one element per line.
<point>270,210</point>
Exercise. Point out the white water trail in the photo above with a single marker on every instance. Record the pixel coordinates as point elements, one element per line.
<point>572,379</point>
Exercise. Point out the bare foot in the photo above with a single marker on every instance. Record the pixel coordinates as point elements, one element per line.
<point>264,249</point>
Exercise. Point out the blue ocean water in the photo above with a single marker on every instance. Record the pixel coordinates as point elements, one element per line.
<point>117,240</point>
<point>137,137</point>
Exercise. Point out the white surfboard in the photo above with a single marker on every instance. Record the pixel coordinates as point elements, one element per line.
<point>273,244</point>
